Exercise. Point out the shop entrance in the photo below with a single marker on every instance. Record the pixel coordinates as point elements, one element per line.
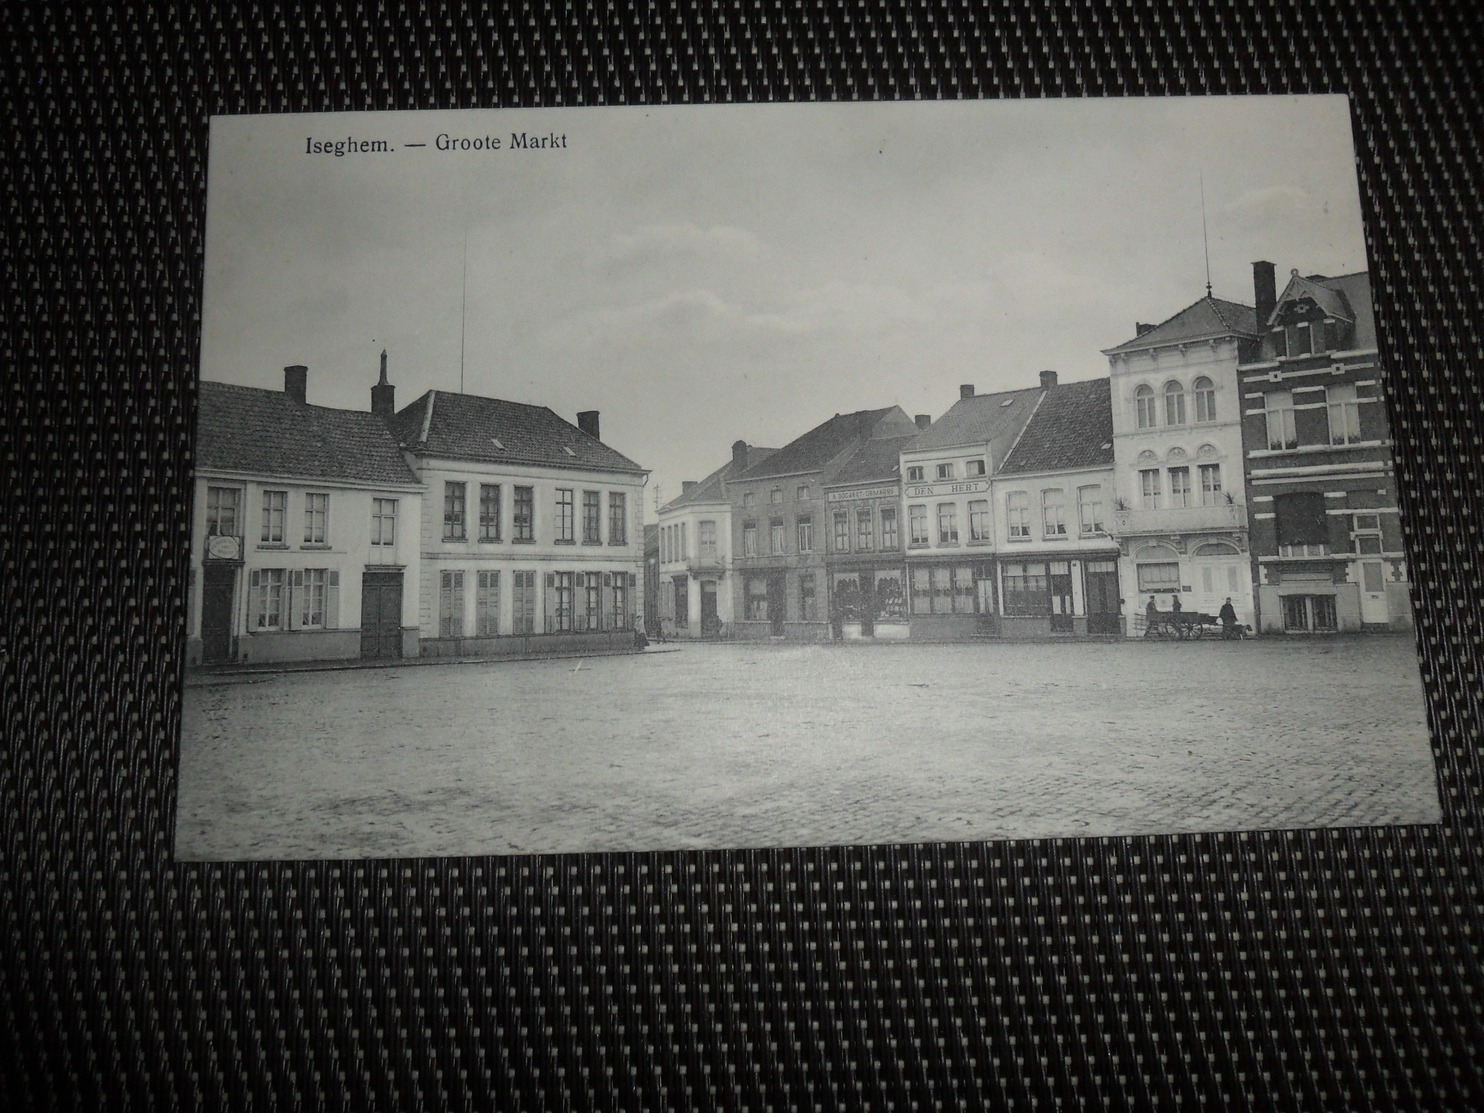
<point>1101,577</point>
<point>217,585</point>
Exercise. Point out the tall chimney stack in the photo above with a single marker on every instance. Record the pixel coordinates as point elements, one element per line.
<point>923,421</point>
<point>965,391</point>
<point>587,423</point>
<point>1048,378</point>
<point>739,455</point>
<point>296,382</point>
<point>1264,290</point>
<point>383,395</point>
<point>1142,328</point>
<point>686,486</point>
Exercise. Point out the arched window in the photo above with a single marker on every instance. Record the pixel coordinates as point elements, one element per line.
<point>1174,403</point>
<point>1205,399</point>
<point>1144,403</point>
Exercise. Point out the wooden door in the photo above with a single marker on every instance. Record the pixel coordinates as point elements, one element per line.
<point>218,584</point>
<point>381,615</point>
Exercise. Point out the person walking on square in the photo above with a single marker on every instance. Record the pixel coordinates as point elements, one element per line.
<point>1151,615</point>
<point>1175,606</point>
<point>1228,618</point>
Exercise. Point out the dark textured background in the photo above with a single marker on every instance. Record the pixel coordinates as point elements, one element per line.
<point>1329,969</point>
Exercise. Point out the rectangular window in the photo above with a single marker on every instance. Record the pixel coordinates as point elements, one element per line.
<point>618,519</point>
<point>1344,414</point>
<point>806,597</point>
<point>221,510</point>
<point>775,496</point>
<point>489,513</point>
<point>451,604</point>
<point>749,539</point>
<point>889,529</point>
<point>592,517</point>
<point>706,540</point>
<point>620,600</point>
<point>453,510</point>
<point>922,591</point>
<point>1018,514</point>
<point>566,511</point>
<point>801,493</point>
<point>756,599</point>
<point>1090,509</point>
<point>945,471</point>
<point>1282,431</point>
<point>562,586</point>
<point>487,604</point>
<point>1027,590</point>
<point>864,530</point>
<point>842,532</point>
<point>316,518</point>
<point>1149,486</point>
<point>1180,486</point>
<point>312,611</point>
<point>1159,577</point>
<point>979,521</point>
<point>383,522</point>
<point>805,532</point>
<point>523,530</point>
<point>1053,514</point>
<point>1365,530</point>
<point>947,524</point>
<point>523,602</point>
<point>270,599</point>
<point>1211,485</point>
<point>275,507</point>
<point>1302,524</point>
<point>914,473</point>
<point>974,467</point>
<point>917,525</point>
<point>776,544</point>
<point>684,542</point>
<point>593,593</point>
<point>1309,612</point>
<point>747,500</point>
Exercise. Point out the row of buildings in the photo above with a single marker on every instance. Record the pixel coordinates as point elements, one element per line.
<point>1233,452</point>
<point>459,525</point>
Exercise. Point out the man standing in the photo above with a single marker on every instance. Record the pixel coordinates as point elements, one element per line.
<point>1228,617</point>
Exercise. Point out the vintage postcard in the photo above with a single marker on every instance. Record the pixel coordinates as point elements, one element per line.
<point>615,479</point>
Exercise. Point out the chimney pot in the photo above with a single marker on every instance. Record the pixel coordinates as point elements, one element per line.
<point>383,395</point>
<point>587,423</point>
<point>739,454</point>
<point>1264,290</point>
<point>923,421</point>
<point>1048,378</point>
<point>296,382</point>
<point>965,391</point>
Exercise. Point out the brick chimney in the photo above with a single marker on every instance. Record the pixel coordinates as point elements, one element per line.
<point>686,486</point>
<point>587,422</point>
<point>923,421</point>
<point>383,395</point>
<point>739,454</point>
<point>1048,378</point>
<point>965,391</point>
<point>1264,290</point>
<point>296,382</point>
<point>1142,328</point>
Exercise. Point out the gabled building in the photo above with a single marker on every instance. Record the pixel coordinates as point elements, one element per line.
<point>1326,533</point>
<point>696,595</point>
<point>532,539</point>
<point>778,516</point>
<point>864,553</point>
<point>1180,516</point>
<point>304,540</point>
<point>1052,496</point>
<point>948,526</point>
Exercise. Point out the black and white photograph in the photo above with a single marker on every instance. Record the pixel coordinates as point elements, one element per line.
<point>596,480</point>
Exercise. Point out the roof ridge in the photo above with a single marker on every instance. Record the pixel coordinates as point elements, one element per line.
<point>1025,425</point>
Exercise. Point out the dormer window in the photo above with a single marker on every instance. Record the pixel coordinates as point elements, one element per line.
<point>571,453</point>
<point>498,444</point>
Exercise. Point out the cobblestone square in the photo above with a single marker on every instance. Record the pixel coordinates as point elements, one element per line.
<point>726,746</point>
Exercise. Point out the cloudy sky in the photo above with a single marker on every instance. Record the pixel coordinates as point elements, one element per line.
<point>703,274</point>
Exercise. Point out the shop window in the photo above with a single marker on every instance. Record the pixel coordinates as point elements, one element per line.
<point>756,599</point>
<point>1026,590</point>
<point>1158,577</point>
<point>1309,612</point>
<point>806,598</point>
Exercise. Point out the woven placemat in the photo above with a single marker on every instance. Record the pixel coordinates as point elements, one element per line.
<point>1327,969</point>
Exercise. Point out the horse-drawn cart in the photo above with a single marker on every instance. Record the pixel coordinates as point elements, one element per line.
<point>1180,626</point>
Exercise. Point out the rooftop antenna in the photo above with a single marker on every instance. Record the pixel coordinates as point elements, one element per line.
<point>1205,238</point>
<point>464,309</point>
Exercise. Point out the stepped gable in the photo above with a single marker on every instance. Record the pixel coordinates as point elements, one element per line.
<point>1205,318</point>
<point>268,433</point>
<point>994,418</point>
<point>1071,429</point>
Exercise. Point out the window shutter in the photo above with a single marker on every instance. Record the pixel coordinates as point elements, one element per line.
<point>551,581</point>
<point>578,582</point>
<point>551,603</point>
<point>632,580</point>
<point>332,600</point>
<point>293,598</point>
<point>254,599</point>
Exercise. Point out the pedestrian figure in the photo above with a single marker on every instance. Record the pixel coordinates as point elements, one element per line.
<point>1175,606</point>
<point>1151,615</point>
<point>1228,617</point>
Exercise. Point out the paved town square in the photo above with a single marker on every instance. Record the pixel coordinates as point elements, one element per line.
<point>735,745</point>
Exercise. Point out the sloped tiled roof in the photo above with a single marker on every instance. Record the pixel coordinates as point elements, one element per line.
<point>1327,297</point>
<point>1206,317</point>
<point>995,417</point>
<point>1347,297</point>
<point>877,460</point>
<point>1072,429</point>
<point>814,449</point>
<point>477,428</point>
<point>257,431</point>
<point>712,489</point>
